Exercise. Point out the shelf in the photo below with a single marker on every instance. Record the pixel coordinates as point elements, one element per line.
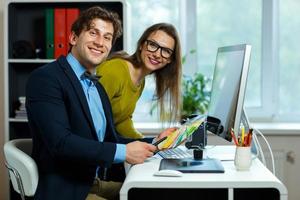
<point>18,120</point>
<point>30,60</point>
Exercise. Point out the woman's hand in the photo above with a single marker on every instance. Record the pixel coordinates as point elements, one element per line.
<point>166,132</point>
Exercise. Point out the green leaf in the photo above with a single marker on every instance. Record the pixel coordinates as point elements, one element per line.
<point>195,94</point>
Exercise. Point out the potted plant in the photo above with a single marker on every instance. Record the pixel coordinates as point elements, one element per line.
<point>195,94</point>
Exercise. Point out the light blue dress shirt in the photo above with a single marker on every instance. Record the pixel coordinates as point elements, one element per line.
<point>95,106</point>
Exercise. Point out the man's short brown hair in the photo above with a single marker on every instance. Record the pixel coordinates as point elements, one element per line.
<point>86,17</point>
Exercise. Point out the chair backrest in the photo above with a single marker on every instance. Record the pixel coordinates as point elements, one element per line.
<point>17,154</point>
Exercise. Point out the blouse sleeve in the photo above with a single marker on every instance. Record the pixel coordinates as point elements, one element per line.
<point>128,129</point>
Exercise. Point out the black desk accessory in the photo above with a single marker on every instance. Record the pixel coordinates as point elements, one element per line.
<point>198,140</point>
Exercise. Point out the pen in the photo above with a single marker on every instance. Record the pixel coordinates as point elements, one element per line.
<point>159,141</point>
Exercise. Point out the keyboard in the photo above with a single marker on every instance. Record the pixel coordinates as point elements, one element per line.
<point>176,153</point>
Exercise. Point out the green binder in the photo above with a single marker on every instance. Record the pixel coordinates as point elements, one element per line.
<point>49,17</point>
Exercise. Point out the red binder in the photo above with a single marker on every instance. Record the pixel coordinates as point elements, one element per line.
<point>60,32</point>
<point>71,15</point>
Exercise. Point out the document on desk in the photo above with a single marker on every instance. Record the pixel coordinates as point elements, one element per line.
<point>180,135</point>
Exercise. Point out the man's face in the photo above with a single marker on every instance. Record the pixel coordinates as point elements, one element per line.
<point>92,46</point>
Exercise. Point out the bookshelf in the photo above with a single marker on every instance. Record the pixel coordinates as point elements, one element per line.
<point>25,50</point>
<point>24,25</point>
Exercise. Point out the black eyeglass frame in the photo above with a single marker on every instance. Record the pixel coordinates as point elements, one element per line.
<point>162,49</point>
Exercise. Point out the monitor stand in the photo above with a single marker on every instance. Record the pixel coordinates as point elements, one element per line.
<point>198,139</point>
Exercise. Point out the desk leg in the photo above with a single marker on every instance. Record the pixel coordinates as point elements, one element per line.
<point>230,194</point>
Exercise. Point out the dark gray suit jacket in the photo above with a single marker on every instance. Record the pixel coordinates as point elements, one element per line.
<point>65,145</point>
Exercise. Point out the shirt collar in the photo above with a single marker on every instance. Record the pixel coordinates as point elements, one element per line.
<point>75,65</point>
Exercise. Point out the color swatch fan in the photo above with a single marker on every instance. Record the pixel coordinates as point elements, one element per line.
<point>180,135</point>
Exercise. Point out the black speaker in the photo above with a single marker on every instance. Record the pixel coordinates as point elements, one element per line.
<point>23,49</point>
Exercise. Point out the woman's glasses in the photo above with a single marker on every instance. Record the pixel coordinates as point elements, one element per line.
<point>153,47</point>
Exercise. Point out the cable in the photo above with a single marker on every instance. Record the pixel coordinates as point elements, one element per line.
<point>259,150</point>
<point>246,123</point>
<point>269,147</point>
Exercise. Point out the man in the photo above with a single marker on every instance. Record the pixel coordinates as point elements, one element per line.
<point>70,117</point>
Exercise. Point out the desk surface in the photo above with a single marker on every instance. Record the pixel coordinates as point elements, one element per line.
<point>141,175</point>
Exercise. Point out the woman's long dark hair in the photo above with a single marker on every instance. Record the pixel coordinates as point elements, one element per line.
<point>168,78</point>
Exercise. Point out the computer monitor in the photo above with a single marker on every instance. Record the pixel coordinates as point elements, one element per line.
<point>225,108</point>
<point>228,87</point>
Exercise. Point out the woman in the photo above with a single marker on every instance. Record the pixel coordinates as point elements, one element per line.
<point>123,77</point>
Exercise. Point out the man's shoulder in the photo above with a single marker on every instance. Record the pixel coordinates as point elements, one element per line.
<point>49,68</point>
<point>48,75</point>
<point>49,72</point>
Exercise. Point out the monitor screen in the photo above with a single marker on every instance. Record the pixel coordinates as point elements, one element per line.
<point>228,87</point>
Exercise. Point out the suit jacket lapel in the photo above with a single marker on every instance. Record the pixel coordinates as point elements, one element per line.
<point>78,90</point>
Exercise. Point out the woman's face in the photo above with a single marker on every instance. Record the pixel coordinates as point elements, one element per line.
<point>157,51</point>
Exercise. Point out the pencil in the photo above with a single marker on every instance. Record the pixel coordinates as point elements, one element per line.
<point>250,137</point>
<point>234,138</point>
<point>243,135</point>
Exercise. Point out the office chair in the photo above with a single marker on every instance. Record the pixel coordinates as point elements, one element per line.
<point>23,171</point>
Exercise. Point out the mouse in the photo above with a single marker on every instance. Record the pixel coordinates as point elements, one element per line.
<point>168,172</point>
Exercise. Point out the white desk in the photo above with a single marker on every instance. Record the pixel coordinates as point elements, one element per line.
<point>257,183</point>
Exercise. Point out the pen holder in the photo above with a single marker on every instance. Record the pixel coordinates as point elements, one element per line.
<point>242,159</point>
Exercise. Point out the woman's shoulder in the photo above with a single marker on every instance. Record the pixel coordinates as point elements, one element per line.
<point>115,64</point>
<point>116,61</point>
<point>116,68</point>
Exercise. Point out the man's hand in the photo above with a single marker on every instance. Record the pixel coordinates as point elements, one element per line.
<point>137,152</point>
